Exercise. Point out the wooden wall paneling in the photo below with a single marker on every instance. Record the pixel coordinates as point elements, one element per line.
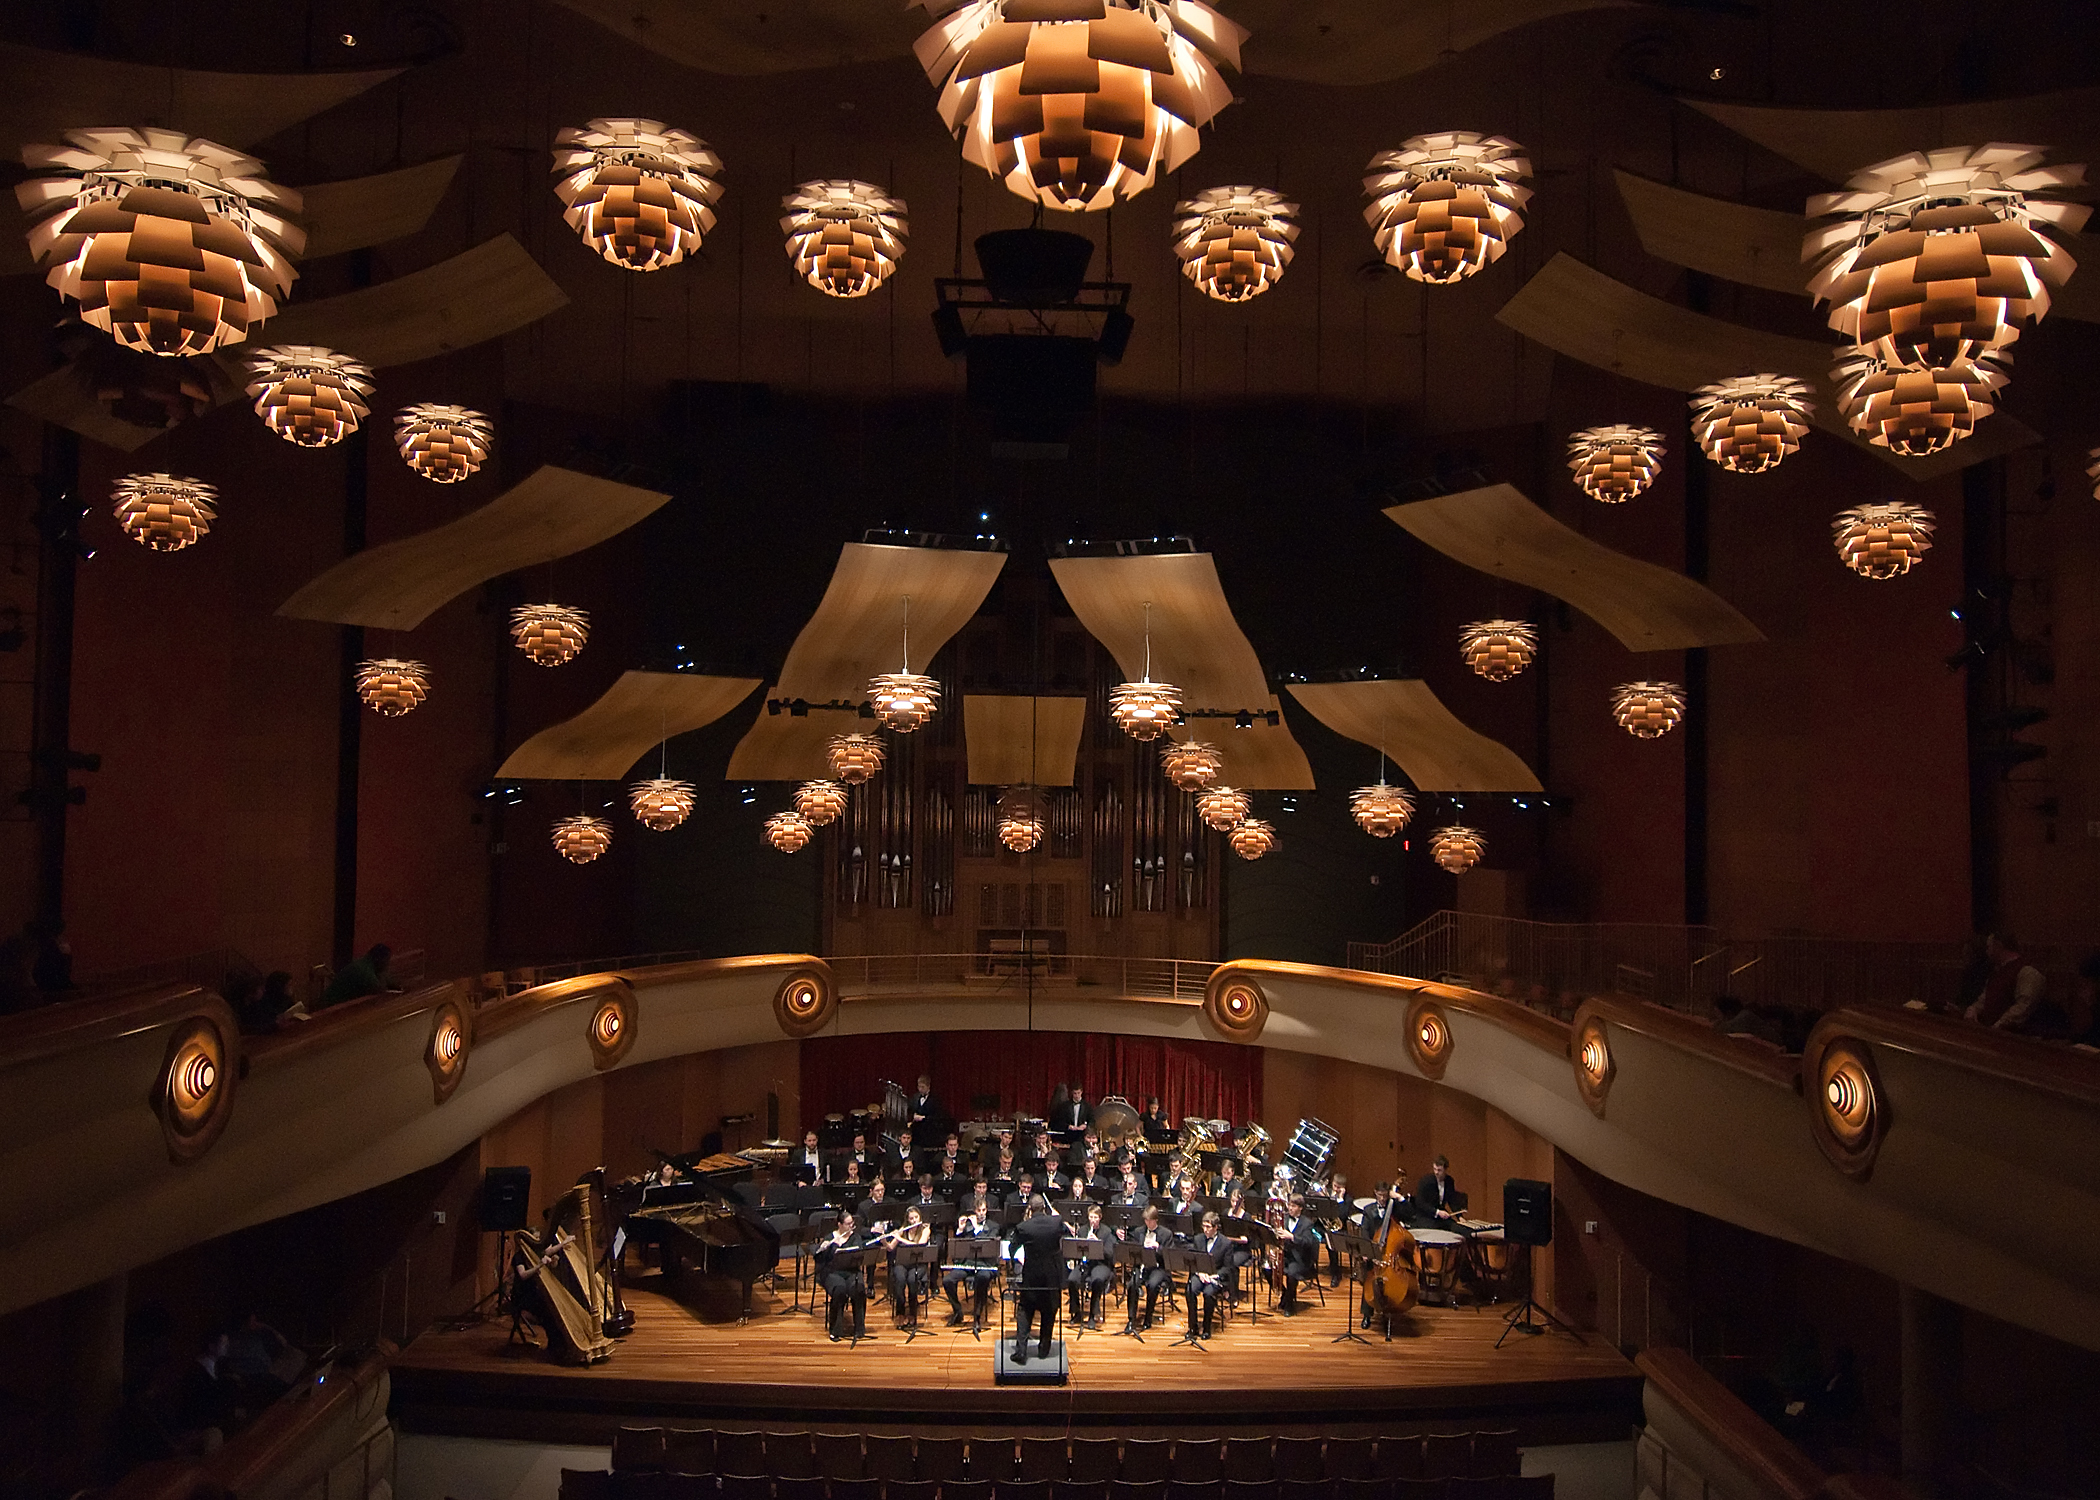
<point>644,1113</point>
<point>575,1139</point>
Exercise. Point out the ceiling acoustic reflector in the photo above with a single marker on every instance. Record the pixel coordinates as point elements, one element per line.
<point>1457,848</point>
<point>1447,204</point>
<point>820,802</point>
<point>1020,819</point>
<point>163,512</point>
<point>788,831</point>
<point>170,244</point>
<point>638,192</point>
<point>1915,412</point>
<point>444,444</point>
<point>1234,242</point>
<point>1498,649</point>
<point>1381,810</point>
<point>1749,423</point>
<point>844,236</point>
<point>635,715</point>
<point>660,803</point>
<point>854,757</point>
<point>391,686</point>
<point>581,839</point>
<point>1613,464</point>
<point>1076,103</point>
<point>1407,724</point>
<point>551,634</point>
<point>309,395</point>
<point>1223,807</point>
<point>1252,838</point>
<point>1190,764</point>
<point>1647,710</point>
<point>1938,256</point>
<point>1882,541</point>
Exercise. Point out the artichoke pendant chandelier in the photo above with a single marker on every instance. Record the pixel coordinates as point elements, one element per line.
<point>2092,470</point>
<point>1143,709</point>
<point>1748,424</point>
<point>1020,819</point>
<point>638,192</point>
<point>1223,807</point>
<point>853,758</point>
<point>1445,205</point>
<point>1613,464</point>
<point>1457,848</point>
<point>1234,242</point>
<point>163,512</point>
<point>844,236</point>
<point>660,803</point>
<point>1252,838</point>
<point>582,838</point>
<point>1647,710</point>
<point>788,831</point>
<point>1498,649</point>
<point>1379,809</point>
<point>1940,256</point>
<point>1076,103</point>
<point>1916,412</point>
<point>392,686</point>
<point>170,244</point>
<point>309,395</point>
<point>1190,764</point>
<point>904,701</point>
<point>551,634</point>
<point>444,444</point>
<point>1882,541</point>
<point>820,802</point>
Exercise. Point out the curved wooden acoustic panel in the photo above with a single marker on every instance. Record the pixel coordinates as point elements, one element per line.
<point>1649,608</point>
<point>1755,246</point>
<point>397,586</point>
<point>1418,734</point>
<point>858,629</point>
<point>781,747</point>
<point>1263,758</point>
<point>477,295</point>
<point>1838,142</point>
<point>1014,740</point>
<point>1196,643</point>
<point>1576,310</point>
<point>604,741</point>
<point>361,211</point>
<point>49,93</point>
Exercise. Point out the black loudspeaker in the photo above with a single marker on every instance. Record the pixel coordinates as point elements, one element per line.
<point>506,1197</point>
<point>1527,1212</point>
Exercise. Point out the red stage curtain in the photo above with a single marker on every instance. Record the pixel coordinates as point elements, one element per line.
<point>1021,1069</point>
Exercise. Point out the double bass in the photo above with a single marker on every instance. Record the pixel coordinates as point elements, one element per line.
<point>1392,1279</point>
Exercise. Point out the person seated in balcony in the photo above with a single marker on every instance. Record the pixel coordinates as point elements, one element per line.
<point>1733,1018</point>
<point>362,976</point>
<point>2083,1013</point>
<point>18,991</point>
<point>52,968</point>
<point>2010,991</point>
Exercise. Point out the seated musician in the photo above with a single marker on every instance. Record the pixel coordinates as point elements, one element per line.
<point>949,1164</point>
<point>927,1196</point>
<point>859,1152</point>
<point>843,1287</point>
<point>1088,1144</point>
<point>1373,1220</point>
<point>1204,1286</point>
<point>1130,1192</point>
<point>878,1199</point>
<point>1024,1189</point>
<point>1229,1180</point>
<point>1437,1196</point>
<point>995,1146</point>
<point>925,1109</point>
<point>1091,1276</point>
<point>906,1289</point>
<point>1005,1167</point>
<point>899,1158</point>
<point>1151,1235</point>
<point>1152,1123</point>
<point>807,1166</point>
<point>1186,1201</point>
<point>1301,1252</point>
<point>1091,1173</point>
<point>975,1224</point>
<point>1242,1253</point>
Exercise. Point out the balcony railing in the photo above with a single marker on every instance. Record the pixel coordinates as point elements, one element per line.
<point>1164,978</point>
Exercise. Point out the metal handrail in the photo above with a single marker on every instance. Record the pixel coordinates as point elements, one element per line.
<point>862,973</point>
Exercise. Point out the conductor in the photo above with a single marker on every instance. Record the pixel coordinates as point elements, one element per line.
<point>1042,1274</point>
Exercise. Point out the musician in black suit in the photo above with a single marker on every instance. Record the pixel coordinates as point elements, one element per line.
<point>1373,1220</point>
<point>1437,1195</point>
<point>1037,1243</point>
<point>1073,1114</point>
<point>999,1143</point>
<point>1152,1280</point>
<point>1092,1276</point>
<point>901,1157</point>
<point>859,1152</point>
<point>1152,1124</point>
<point>846,1286</point>
<point>1204,1286</point>
<point>925,1109</point>
<point>808,1163</point>
<point>1301,1252</point>
<point>975,1224</point>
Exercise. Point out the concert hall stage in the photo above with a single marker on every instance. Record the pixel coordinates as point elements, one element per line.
<point>693,1363</point>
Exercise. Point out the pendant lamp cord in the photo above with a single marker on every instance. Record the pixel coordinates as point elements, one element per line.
<point>907,635</point>
<point>1148,640</point>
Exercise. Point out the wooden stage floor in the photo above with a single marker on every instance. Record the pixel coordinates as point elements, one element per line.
<point>690,1361</point>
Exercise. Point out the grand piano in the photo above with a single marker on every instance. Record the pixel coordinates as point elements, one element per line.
<point>697,1221</point>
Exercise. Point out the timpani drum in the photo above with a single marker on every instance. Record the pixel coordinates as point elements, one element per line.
<point>1438,1255</point>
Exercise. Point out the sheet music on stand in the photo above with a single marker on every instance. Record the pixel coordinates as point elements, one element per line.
<point>1188,1264</point>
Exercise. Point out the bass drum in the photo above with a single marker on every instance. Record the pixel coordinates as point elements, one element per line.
<point>1117,1123</point>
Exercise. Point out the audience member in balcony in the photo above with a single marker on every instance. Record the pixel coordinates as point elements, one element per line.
<point>277,1000</point>
<point>207,1400</point>
<point>2012,989</point>
<point>362,976</point>
<point>1733,1018</point>
<point>261,1359</point>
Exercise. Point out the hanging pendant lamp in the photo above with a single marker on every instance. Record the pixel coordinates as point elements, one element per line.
<point>1020,819</point>
<point>904,701</point>
<point>1446,205</point>
<point>1223,807</point>
<point>582,838</point>
<point>638,192</point>
<point>788,831</point>
<point>820,802</point>
<point>853,757</point>
<point>844,236</point>
<point>164,512</point>
<point>1882,541</point>
<point>1498,649</point>
<point>1613,464</point>
<point>1457,848</point>
<point>1648,710</point>
<point>1143,709</point>
<point>1234,242</point>
<point>660,803</point>
<point>1381,810</point>
<point>1190,764</point>
<point>391,686</point>
<point>444,444</point>
<point>309,395</point>
<point>1749,423</point>
<point>1252,838</point>
<point>551,634</point>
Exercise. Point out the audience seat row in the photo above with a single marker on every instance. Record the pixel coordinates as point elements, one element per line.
<point>628,1485</point>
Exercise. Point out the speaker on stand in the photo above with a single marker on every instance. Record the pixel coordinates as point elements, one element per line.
<point>505,1208</point>
<point>1527,1221</point>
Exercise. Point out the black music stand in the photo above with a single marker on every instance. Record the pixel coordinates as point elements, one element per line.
<point>1250,1231</point>
<point>974,1254</point>
<point>854,1262</point>
<point>1133,1259</point>
<point>1355,1248</point>
<point>1185,1263</point>
<point>1081,1252</point>
<point>910,1258</point>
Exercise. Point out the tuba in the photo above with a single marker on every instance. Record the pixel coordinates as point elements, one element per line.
<point>1253,1142</point>
<point>1196,1138</point>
